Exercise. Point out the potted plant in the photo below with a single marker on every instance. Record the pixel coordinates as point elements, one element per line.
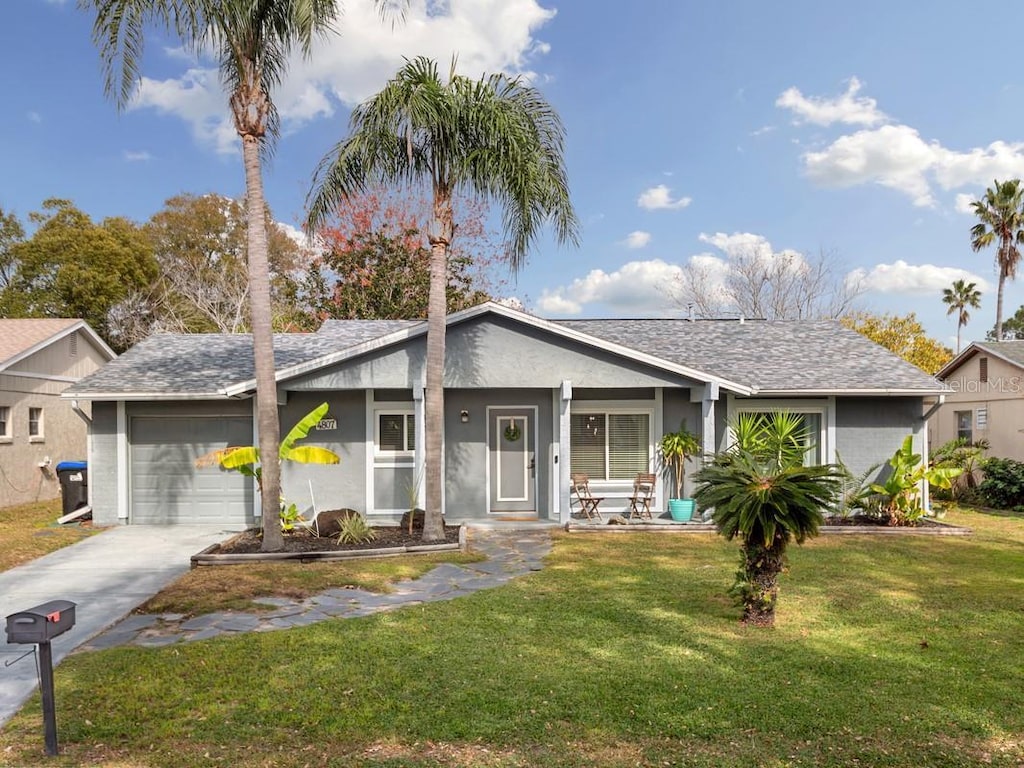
<point>674,448</point>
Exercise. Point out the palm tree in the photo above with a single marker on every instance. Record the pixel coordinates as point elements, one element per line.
<point>762,493</point>
<point>252,40</point>
<point>1001,219</point>
<point>959,298</point>
<point>496,138</point>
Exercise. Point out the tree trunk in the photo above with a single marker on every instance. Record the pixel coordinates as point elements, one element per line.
<point>760,590</point>
<point>999,303</point>
<point>263,346</point>
<point>959,327</point>
<point>433,522</point>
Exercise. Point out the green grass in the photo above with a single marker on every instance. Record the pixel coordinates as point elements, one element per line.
<point>28,531</point>
<point>623,651</point>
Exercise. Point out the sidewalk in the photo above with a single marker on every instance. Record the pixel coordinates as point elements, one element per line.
<point>510,553</point>
<point>106,575</point>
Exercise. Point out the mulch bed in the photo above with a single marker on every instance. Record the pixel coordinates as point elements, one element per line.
<point>249,542</point>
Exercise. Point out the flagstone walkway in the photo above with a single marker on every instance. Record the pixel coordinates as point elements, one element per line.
<point>510,553</point>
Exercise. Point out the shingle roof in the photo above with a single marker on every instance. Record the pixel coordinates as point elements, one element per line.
<point>771,356</point>
<point>20,335</point>
<point>768,356</point>
<point>1011,350</point>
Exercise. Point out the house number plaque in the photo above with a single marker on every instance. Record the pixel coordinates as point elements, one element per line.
<point>326,424</point>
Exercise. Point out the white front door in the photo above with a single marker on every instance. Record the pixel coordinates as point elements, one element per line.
<point>512,460</point>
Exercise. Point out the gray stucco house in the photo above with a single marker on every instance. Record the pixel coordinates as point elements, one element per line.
<point>527,401</point>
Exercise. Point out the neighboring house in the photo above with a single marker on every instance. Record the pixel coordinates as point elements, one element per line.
<point>39,359</point>
<point>527,401</point>
<point>986,401</point>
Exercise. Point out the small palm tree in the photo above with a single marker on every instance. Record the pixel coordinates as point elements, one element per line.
<point>1001,220</point>
<point>959,298</point>
<point>762,493</point>
<point>495,138</point>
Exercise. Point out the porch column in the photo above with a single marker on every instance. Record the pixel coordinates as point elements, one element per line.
<point>707,396</point>
<point>122,462</point>
<point>563,457</point>
<point>419,451</point>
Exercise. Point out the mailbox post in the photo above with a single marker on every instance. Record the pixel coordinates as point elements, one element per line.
<point>39,625</point>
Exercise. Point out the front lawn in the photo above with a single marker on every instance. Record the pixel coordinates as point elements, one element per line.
<point>623,651</point>
<point>28,531</point>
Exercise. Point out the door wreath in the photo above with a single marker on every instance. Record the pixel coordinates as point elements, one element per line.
<point>512,432</point>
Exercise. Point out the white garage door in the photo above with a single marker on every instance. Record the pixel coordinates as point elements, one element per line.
<point>166,486</point>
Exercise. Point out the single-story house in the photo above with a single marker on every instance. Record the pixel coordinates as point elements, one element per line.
<point>39,359</point>
<point>527,402</point>
<point>986,398</point>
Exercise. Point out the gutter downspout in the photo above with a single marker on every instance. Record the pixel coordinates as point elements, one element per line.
<point>80,413</point>
<point>926,500</point>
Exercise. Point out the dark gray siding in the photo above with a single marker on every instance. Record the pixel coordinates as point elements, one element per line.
<point>103,463</point>
<point>334,485</point>
<point>870,429</point>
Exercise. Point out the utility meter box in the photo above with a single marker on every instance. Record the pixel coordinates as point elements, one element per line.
<point>42,623</point>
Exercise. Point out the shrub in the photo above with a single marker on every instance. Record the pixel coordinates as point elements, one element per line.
<point>355,530</point>
<point>1003,486</point>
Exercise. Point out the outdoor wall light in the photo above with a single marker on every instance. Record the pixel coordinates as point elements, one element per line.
<point>464,417</point>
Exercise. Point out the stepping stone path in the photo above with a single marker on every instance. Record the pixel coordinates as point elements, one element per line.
<point>509,554</point>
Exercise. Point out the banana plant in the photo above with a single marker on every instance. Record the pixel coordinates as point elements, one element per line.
<point>899,497</point>
<point>246,459</point>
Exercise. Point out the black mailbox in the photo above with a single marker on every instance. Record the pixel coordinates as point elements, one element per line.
<point>42,623</point>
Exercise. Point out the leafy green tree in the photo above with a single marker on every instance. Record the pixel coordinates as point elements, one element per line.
<point>1001,220</point>
<point>11,233</point>
<point>252,42</point>
<point>961,297</point>
<point>903,335</point>
<point>497,138</point>
<point>71,267</point>
<point>762,494</point>
<point>200,242</point>
<point>1013,327</point>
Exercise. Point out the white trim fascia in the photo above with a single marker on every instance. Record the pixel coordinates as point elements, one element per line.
<point>851,392</point>
<point>147,396</point>
<point>44,376</point>
<point>123,496</point>
<point>80,325</point>
<point>521,317</point>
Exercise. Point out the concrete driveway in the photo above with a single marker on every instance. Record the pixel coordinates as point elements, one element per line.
<point>107,575</point>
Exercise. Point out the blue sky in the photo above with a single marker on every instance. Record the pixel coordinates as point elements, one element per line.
<point>694,130</point>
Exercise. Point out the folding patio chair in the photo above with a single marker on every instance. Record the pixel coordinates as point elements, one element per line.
<point>587,501</point>
<point>643,496</point>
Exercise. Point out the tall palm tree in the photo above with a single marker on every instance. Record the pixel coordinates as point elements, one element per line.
<point>252,40</point>
<point>496,138</point>
<point>959,298</point>
<point>1001,220</point>
<point>762,493</point>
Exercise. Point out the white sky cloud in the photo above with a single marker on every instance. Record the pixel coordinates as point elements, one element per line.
<point>846,108</point>
<point>637,287</point>
<point>963,202</point>
<point>136,156</point>
<point>488,35</point>
<point>901,277</point>
<point>660,198</point>
<point>34,116</point>
<point>637,239</point>
<point>737,242</point>
<point>894,156</point>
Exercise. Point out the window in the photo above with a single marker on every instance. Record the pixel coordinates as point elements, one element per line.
<point>814,425</point>
<point>5,421</point>
<point>610,446</point>
<point>983,369</point>
<point>981,418</point>
<point>35,423</point>
<point>396,433</point>
<point>963,426</point>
